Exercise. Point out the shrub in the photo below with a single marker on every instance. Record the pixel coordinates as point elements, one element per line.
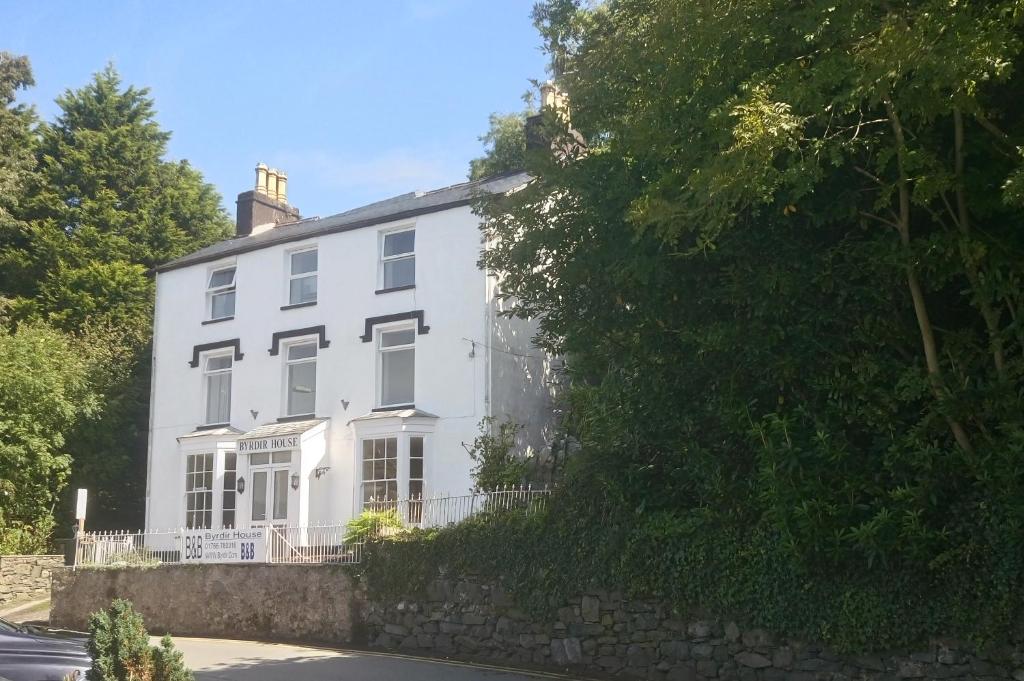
<point>120,650</point>
<point>493,453</point>
<point>371,524</point>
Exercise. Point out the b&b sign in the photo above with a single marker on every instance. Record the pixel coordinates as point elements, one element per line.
<point>224,546</point>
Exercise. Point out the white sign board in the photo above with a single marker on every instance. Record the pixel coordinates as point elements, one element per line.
<point>224,546</point>
<point>83,495</point>
<point>268,444</point>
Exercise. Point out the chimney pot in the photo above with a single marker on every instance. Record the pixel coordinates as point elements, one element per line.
<point>272,183</point>
<point>282,186</point>
<point>261,178</point>
<point>548,96</point>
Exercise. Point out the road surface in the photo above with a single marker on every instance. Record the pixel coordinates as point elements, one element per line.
<point>221,660</point>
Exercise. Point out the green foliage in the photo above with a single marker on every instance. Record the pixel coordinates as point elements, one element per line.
<point>786,272</point>
<point>371,524</point>
<point>45,392</point>
<point>493,454</point>
<point>168,662</point>
<point>120,650</point>
<point>93,209</point>
<point>504,146</point>
<point>17,143</point>
<point>697,564</point>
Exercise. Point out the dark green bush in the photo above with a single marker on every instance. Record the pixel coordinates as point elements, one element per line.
<point>120,650</point>
<point>697,564</point>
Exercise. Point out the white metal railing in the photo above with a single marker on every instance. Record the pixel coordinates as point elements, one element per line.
<point>447,510</point>
<point>307,544</point>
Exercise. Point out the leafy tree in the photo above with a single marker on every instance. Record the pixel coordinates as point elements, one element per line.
<point>17,147</point>
<point>45,392</point>
<point>102,210</point>
<point>787,270</point>
<point>504,146</point>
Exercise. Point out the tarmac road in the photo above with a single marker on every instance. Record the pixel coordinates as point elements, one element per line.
<point>224,660</point>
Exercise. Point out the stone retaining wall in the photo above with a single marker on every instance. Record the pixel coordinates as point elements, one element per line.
<point>268,602</point>
<point>596,634</point>
<point>26,578</point>
<point>605,634</point>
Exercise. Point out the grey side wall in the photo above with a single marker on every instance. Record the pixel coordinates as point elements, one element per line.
<point>267,602</point>
<point>26,578</point>
<point>523,383</point>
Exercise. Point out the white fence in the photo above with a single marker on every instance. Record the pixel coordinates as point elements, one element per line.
<point>440,511</point>
<point>316,543</point>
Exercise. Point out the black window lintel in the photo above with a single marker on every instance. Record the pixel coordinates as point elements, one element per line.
<point>371,322</point>
<point>206,347</point>
<point>321,331</point>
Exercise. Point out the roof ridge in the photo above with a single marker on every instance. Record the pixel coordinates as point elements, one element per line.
<point>405,206</point>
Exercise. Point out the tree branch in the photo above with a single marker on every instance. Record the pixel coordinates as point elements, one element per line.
<point>913,283</point>
<point>990,316</point>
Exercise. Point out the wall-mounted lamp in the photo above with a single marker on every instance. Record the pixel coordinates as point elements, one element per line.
<point>240,485</point>
<point>295,480</point>
<point>321,471</point>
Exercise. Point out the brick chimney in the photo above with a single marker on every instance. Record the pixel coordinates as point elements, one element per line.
<point>266,206</point>
<point>551,99</point>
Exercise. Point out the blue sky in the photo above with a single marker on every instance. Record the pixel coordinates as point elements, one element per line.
<point>355,101</point>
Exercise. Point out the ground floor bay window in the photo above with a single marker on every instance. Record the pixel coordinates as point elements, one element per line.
<point>199,490</point>
<point>392,459</point>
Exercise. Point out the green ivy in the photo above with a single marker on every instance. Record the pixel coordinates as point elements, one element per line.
<point>972,593</point>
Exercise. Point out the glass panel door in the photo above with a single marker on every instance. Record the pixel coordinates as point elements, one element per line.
<point>270,495</point>
<point>280,494</point>
<point>259,496</point>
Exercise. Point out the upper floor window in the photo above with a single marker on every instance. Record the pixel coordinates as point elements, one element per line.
<point>220,293</point>
<point>217,374</point>
<point>301,378</point>
<point>398,259</point>
<point>302,277</point>
<point>396,366</point>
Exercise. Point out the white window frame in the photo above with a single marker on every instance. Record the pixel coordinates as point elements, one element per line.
<point>229,488</point>
<point>381,351</point>
<point>204,492</point>
<point>289,363</point>
<point>207,373</point>
<point>315,274</point>
<point>408,255</point>
<point>397,479</point>
<point>213,291</point>
<point>412,509</point>
<point>276,461</point>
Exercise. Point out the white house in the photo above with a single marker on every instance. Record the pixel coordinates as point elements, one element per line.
<point>308,366</point>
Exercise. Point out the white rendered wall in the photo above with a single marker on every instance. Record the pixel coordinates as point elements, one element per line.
<point>449,383</point>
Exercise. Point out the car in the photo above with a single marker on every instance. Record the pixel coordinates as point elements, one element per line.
<point>34,653</point>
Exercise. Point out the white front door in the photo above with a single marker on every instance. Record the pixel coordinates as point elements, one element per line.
<point>269,501</point>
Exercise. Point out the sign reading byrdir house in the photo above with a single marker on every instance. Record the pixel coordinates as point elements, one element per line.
<point>268,444</point>
<point>224,546</point>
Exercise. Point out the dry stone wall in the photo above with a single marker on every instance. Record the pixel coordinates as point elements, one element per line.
<point>265,602</point>
<point>604,634</point>
<point>26,578</point>
<point>598,634</point>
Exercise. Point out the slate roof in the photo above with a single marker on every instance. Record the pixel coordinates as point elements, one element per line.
<point>399,413</point>
<point>396,208</point>
<point>280,429</point>
<point>210,432</point>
